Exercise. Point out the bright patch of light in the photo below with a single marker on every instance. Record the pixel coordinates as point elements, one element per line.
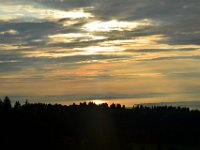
<point>11,32</point>
<point>8,61</point>
<point>117,42</point>
<point>98,101</point>
<point>7,17</point>
<point>31,12</point>
<point>13,47</point>
<point>74,37</point>
<point>115,25</point>
<point>74,14</point>
<point>100,49</point>
<point>70,22</point>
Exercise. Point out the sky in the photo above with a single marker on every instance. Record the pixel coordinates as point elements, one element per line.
<point>131,50</point>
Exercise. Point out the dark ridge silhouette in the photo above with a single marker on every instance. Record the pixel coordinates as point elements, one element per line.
<point>88,126</point>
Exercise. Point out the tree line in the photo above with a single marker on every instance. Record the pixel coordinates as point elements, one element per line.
<point>101,127</point>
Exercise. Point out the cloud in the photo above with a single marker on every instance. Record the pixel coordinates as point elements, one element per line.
<point>32,12</point>
<point>13,60</point>
<point>185,75</point>
<point>73,37</point>
<point>116,25</point>
<point>9,32</point>
<point>173,58</point>
<point>99,46</point>
<point>160,50</point>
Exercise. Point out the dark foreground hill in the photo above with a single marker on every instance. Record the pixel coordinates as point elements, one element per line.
<point>102,127</point>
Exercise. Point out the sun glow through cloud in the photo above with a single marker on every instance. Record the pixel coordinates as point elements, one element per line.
<point>115,25</point>
<point>98,101</point>
<point>73,37</point>
<point>100,49</point>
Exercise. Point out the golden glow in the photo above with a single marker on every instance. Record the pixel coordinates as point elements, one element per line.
<point>98,101</point>
<point>13,47</point>
<point>115,25</point>
<point>70,22</point>
<point>152,39</point>
<point>9,18</point>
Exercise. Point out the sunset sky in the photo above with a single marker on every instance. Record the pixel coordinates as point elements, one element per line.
<point>131,50</point>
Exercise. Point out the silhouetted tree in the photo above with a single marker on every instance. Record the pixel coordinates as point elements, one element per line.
<point>92,104</point>
<point>17,105</point>
<point>112,106</point>
<point>6,103</point>
<point>119,106</point>
<point>103,106</point>
<point>1,103</point>
<point>84,104</point>
<point>26,102</point>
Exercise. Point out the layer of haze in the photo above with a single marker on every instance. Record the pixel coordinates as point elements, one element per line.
<point>135,50</point>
